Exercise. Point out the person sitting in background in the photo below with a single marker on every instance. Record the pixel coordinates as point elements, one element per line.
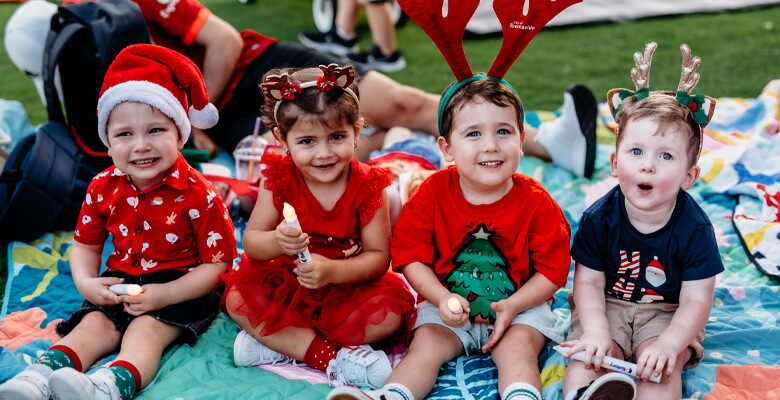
<point>233,64</point>
<point>341,40</point>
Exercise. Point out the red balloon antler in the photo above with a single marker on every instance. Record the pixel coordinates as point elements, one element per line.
<point>520,22</point>
<point>445,31</point>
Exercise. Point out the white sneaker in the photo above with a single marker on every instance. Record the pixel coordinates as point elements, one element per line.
<point>69,384</point>
<point>571,138</point>
<point>248,352</point>
<point>612,386</point>
<point>350,393</point>
<point>359,366</point>
<point>26,385</point>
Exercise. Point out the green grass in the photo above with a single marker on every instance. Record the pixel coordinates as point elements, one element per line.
<point>740,52</point>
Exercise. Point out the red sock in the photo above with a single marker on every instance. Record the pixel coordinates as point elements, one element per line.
<point>319,353</point>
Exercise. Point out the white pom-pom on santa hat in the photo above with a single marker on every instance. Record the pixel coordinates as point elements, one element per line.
<point>162,78</point>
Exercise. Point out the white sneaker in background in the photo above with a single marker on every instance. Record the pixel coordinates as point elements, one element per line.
<point>248,352</point>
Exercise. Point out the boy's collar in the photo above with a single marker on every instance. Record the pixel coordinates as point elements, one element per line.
<point>177,176</point>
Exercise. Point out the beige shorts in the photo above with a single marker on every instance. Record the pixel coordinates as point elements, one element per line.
<point>648,321</point>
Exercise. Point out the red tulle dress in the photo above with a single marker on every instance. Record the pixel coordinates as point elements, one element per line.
<point>339,313</point>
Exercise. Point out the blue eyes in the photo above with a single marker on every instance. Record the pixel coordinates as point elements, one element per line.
<point>664,156</point>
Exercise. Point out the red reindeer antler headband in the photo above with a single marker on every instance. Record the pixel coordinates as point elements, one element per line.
<point>279,87</point>
<point>520,21</point>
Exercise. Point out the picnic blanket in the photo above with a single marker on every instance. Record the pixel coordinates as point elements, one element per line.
<point>738,189</point>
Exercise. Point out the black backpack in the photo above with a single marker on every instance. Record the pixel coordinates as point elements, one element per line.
<point>43,183</point>
<point>83,41</point>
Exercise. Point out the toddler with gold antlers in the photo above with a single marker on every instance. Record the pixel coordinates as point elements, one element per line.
<point>645,253</point>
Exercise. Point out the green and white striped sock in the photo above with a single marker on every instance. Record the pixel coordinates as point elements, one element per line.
<point>521,391</point>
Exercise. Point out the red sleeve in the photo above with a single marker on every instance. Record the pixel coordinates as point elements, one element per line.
<point>175,19</point>
<point>378,179</point>
<point>413,237</point>
<point>91,226</point>
<point>274,174</point>
<point>212,228</point>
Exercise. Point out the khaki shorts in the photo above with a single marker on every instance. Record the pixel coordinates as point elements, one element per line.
<point>648,321</point>
<point>475,335</point>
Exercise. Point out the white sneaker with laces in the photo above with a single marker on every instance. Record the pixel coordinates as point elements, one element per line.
<point>359,366</point>
<point>26,385</point>
<point>67,384</point>
<point>248,352</point>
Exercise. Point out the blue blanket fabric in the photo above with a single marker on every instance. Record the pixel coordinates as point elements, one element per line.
<point>736,190</point>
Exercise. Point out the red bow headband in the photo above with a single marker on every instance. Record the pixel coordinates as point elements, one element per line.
<point>279,87</point>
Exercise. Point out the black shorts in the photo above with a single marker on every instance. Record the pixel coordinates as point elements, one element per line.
<point>193,316</point>
<point>237,118</point>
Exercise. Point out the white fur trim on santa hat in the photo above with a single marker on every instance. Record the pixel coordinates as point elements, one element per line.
<point>143,92</point>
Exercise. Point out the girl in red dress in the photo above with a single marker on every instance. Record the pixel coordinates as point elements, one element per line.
<point>324,311</point>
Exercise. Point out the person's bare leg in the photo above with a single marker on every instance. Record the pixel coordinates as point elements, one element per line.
<point>346,16</point>
<point>94,336</point>
<point>143,345</point>
<point>380,20</point>
<point>533,148</point>
<point>386,103</point>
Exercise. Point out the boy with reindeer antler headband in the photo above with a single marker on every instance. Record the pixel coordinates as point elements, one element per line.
<point>484,246</point>
<point>645,253</point>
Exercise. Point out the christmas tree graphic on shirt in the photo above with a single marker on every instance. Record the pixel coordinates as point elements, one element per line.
<point>481,274</point>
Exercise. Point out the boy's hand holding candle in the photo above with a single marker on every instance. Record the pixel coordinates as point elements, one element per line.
<point>126,289</point>
<point>453,304</point>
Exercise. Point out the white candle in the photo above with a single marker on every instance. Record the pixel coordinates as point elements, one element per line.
<point>454,305</point>
<point>126,289</point>
<point>292,221</point>
<point>610,363</point>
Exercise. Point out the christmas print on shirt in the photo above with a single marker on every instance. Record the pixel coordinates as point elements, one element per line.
<point>481,274</point>
<point>625,287</point>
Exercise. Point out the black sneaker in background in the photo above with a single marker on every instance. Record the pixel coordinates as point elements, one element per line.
<point>329,42</point>
<point>374,59</point>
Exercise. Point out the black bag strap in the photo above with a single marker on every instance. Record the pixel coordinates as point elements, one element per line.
<point>113,24</point>
<point>55,42</point>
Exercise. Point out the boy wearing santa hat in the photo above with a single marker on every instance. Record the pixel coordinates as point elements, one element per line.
<point>171,233</point>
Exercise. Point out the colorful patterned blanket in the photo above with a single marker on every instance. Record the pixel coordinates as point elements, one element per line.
<point>738,189</point>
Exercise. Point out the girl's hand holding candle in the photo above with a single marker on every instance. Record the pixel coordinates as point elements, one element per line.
<point>292,221</point>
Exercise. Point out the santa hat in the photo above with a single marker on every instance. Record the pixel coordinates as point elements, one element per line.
<point>162,78</point>
<point>656,266</point>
